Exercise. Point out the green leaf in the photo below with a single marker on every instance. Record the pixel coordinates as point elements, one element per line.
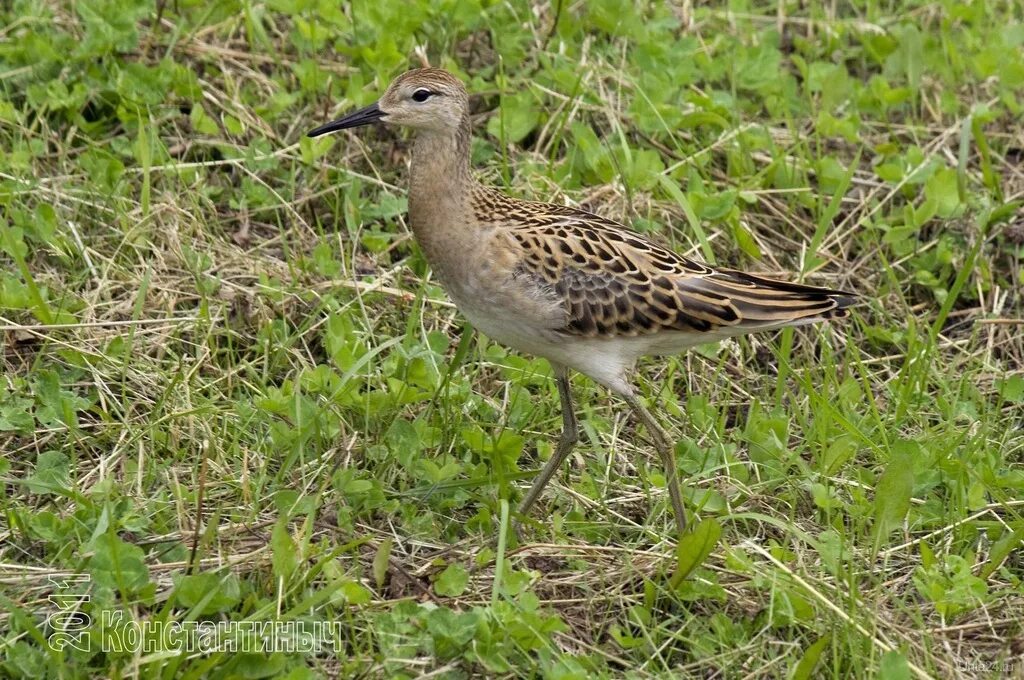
<point>642,169</point>
<point>893,666</point>
<point>451,631</point>
<point>840,450</point>
<point>745,240</point>
<point>941,190</point>
<point>452,581</point>
<point>118,565</point>
<point>1001,549</point>
<point>25,660</point>
<point>509,446</point>
<point>712,206</point>
<point>518,117</point>
<point>284,557</point>
<point>890,172</point>
<point>51,473</point>
<point>694,547</point>
<point>805,668</point>
<point>895,487</point>
<point>380,561</point>
<point>292,503</point>
<point>927,555</point>
<point>12,242</point>
<point>56,405</point>
<point>211,593</point>
<point>110,25</point>
<point>355,593</point>
<point>1011,389</point>
<point>202,122</point>
<point>951,586</point>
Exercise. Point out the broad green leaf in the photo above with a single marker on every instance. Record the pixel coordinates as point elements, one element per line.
<point>895,487</point>
<point>284,557</point>
<point>643,169</point>
<point>380,561</point>
<point>451,630</point>
<point>694,547</point>
<point>745,240</point>
<point>1011,389</point>
<point>51,473</point>
<point>452,581</point>
<point>118,565</point>
<point>291,503</point>
<point>519,115</point>
<point>212,593</point>
<point>57,406</point>
<point>805,667</point>
<point>951,586</point>
<point>202,123</point>
<point>1001,549</point>
<point>893,666</point>
<point>12,242</point>
<point>712,206</point>
<point>941,189</point>
<point>927,555</point>
<point>355,593</point>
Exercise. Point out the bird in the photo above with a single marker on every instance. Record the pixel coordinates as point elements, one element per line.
<point>585,292</point>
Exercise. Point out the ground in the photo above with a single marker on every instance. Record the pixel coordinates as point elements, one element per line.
<point>232,392</point>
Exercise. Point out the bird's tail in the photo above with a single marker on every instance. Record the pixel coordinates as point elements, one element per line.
<point>765,302</point>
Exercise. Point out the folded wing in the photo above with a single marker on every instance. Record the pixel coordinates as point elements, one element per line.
<point>612,282</point>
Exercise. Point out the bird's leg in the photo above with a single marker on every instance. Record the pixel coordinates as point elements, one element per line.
<point>570,435</point>
<point>663,443</point>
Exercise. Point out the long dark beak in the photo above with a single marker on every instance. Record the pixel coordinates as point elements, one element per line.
<point>364,116</point>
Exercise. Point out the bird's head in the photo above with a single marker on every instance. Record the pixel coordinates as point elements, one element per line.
<point>428,99</point>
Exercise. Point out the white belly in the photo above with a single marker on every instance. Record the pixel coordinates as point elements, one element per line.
<point>524,321</point>
<point>605,360</point>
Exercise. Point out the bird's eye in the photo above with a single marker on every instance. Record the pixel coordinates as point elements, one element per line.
<point>421,95</point>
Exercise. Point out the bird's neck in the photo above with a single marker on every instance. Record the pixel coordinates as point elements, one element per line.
<point>440,186</point>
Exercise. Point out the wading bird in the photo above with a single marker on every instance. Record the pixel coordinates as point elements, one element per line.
<point>583,291</point>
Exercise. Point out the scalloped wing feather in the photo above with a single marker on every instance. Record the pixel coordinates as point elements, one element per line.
<point>614,283</point>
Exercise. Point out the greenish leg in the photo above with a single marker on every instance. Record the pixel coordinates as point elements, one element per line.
<point>570,435</point>
<point>663,443</point>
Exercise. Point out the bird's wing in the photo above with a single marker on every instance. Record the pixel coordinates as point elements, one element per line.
<point>613,282</point>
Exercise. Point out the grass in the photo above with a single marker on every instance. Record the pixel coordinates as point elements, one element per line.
<point>232,392</point>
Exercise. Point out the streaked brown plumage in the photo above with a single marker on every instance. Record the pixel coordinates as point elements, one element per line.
<point>581,290</point>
